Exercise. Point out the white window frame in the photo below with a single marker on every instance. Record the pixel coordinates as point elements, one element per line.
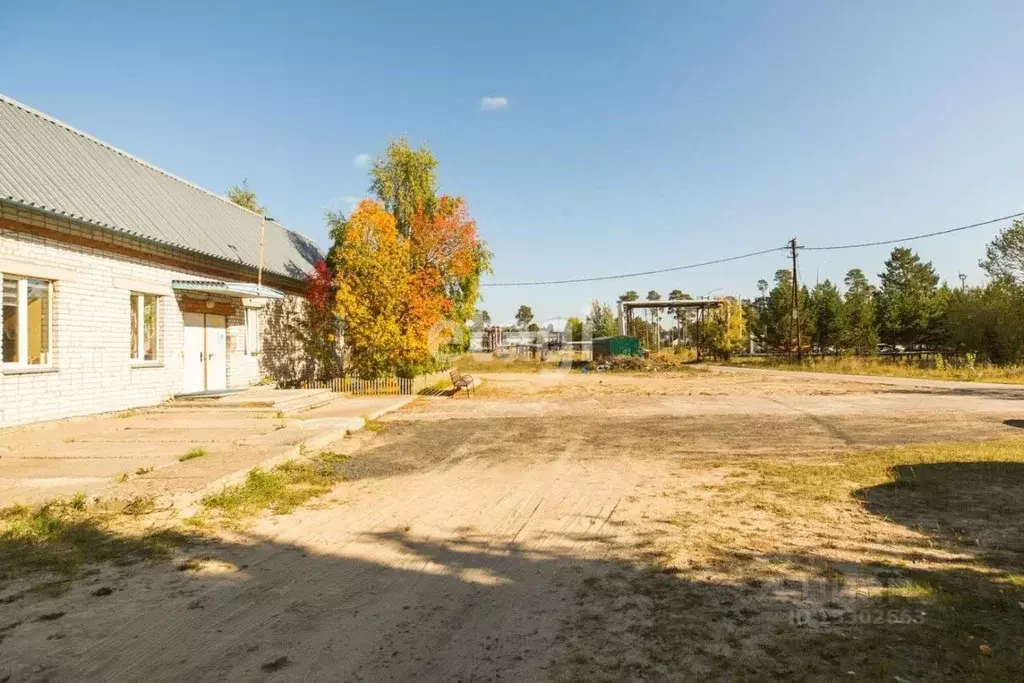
<point>138,299</point>
<point>252,348</point>
<point>22,362</point>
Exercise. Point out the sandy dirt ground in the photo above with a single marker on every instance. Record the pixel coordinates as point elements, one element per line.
<point>514,535</point>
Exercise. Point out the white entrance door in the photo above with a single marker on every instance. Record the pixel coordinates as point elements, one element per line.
<point>195,353</point>
<point>216,353</point>
<point>205,349</point>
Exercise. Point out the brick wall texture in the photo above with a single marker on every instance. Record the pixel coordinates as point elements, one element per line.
<point>92,371</point>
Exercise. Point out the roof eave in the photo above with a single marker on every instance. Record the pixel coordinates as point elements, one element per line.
<point>80,220</point>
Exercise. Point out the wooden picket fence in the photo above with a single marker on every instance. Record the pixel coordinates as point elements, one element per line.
<point>382,386</point>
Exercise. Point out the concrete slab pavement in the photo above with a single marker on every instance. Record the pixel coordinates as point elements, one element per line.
<point>135,454</point>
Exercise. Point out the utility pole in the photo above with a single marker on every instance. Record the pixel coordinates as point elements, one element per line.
<point>263,232</point>
<point>796,303</point>
<point>963,281</point>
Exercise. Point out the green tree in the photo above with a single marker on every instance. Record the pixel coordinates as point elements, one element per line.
<point>758,316</point>
<point>642,330</point>
<point>533,327</point>
<point>707,334</point>
<point>336,225</point>
<point>860,332</point>
<point>827,323</point>
<point>404,180</point>
<point>678,313</point>
<point>524,316</point>
<point>987,322</point>
<point>574,329</point>
<point>481,320</point>
<point>244,196</point>
<point>777,317</point>
<point>654,320</point>
<point>908,308</point>
<point>629,296</point>
<point>1004,255</point>
<point>601,321</point>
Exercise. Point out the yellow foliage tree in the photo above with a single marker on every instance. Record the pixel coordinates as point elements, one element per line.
<point>735,327</point>
<point>372,266</point>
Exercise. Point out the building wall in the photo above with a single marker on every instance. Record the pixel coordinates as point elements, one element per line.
<point>92,370</point>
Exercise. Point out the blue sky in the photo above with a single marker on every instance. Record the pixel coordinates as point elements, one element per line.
<point>636,135</point>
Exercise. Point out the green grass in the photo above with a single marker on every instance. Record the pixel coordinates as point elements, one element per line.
<point>61,539</point>
<point>373,426</point>
<point>882,367</point>
<point>280,489</point>
<point>192,454</point>
<point>143,470</point>
<point>64,536</point>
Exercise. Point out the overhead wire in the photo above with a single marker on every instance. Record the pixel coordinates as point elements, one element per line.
<point>915,237</point>
<point>628,275</point>
<point>690,266</point>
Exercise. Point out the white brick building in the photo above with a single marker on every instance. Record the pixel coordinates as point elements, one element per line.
<point>124,285</point>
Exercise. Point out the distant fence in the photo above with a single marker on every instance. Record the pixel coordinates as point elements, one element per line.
<point>920,355</point>
<point>382,386</point>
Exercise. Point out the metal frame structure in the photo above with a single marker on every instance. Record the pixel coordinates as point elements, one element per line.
<point>626,308</point>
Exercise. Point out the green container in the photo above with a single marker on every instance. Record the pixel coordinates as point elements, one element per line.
<point>616,346</point>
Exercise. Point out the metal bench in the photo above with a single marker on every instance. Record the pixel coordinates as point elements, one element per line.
<point>461,380</point>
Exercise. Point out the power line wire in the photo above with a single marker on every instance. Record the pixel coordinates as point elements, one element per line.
<point>915,237</point>
<point>628,275</point>
<point>690,266</point>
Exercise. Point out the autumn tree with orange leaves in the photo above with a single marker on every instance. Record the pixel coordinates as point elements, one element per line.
<point>372,279</point>
<point>405,289</point>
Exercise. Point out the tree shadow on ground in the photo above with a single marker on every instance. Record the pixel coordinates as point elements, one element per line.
<point>976,507</point>
<point>972,513</point>
<point>1011,392</point>
<point>388,605</point>
<point>462,604</point>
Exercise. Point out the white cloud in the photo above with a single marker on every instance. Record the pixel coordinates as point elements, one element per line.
<point>361,160</point>
<point>493,103</point>
<point>345,203</point>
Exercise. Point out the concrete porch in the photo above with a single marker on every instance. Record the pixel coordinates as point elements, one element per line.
<point>146,452</point>
<point>257,400</point>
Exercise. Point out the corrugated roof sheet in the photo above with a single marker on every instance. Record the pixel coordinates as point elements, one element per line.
<point>238,289</point>
<point>48,165</point>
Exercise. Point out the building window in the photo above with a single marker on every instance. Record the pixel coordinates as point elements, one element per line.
<point>252,331</point>
<point>145,323</point>
<point>27,325</point>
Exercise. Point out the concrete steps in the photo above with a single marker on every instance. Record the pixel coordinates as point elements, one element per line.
<point>259,401</point>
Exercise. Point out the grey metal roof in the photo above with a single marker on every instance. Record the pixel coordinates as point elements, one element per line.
<point>48,165</point>
<point>236,289</point>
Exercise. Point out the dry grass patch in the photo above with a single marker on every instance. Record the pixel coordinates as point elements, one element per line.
<point>1012,374</point>
<point>902,564</point>
<point>374,426</point>
<point>469,365</point>
<point>192,454</point>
